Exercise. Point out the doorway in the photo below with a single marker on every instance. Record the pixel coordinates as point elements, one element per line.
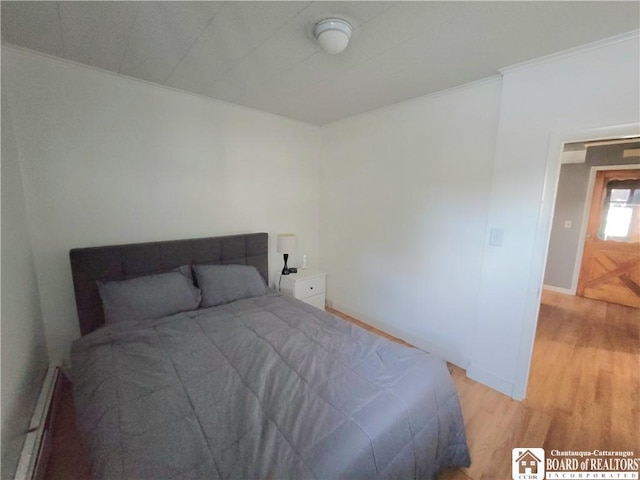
<point>557,140</point>
<point>572,206</point>
<point>595,341</point>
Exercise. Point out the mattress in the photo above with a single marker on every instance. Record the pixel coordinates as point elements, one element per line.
<point>266,387</point>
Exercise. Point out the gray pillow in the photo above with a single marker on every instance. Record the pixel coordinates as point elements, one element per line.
<point>150,296</point>
<point>227,283</point>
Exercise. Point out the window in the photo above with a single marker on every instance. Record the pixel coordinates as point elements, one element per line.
<point>620,219</point>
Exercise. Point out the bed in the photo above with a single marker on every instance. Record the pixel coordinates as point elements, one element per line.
<point>249,383</point>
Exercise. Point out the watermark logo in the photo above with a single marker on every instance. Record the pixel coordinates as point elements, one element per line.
<point>533,464</point>
<point>527,464</point>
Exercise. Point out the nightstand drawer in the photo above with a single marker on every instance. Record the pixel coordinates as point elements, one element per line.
<point>309,287</point>
<point>306,285</point>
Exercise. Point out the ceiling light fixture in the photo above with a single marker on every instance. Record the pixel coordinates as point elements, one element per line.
<point>333,34</point>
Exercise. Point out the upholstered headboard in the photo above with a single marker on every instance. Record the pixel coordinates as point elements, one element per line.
<point>119,262</point>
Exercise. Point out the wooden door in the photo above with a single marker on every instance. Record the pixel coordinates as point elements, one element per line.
<point>610,268</point>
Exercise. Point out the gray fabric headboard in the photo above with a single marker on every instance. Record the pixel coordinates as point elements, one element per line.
<point>119,262</point>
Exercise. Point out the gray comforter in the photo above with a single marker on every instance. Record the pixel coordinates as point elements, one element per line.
<point>267,387</point>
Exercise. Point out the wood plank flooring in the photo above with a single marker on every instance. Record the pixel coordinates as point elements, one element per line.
<point>584,389</point>
<point>584,393</point>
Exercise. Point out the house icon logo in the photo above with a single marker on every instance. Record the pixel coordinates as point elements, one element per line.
<point>527,464</point>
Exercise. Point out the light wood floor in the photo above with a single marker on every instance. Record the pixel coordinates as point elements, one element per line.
<point>584,389</point>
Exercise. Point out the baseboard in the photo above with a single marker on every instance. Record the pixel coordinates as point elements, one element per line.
<point>456,358</point>
<point>37,444</point>
<point>566,291</point>
<point>491,380</point>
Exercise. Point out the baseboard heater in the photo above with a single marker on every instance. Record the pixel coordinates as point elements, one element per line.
<point>37,445</point>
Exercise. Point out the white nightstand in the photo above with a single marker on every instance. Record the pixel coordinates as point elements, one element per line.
<point>306,285</point>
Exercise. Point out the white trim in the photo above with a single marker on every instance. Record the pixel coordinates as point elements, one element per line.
<point>31,448</point>
<point>619,141</point>
<point>27,51</point>
<point>437,93</point>
<point>571,52</point>
<point>557,140</point>
<point>492,381</point>
<point>447,91</point>
<point>551,288</point>
<point>585,217</point>
<point>458,359</point>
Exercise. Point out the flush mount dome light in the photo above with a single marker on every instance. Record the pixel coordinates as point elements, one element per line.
<point>333,34</point>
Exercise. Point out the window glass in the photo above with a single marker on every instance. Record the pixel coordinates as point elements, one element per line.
<point>620,219</point>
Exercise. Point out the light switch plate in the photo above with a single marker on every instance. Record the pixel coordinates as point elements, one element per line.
<point>496,237</point>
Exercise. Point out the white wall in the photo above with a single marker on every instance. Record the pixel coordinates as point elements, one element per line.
<point>406,247</point>
<point>590,89</point>
<point>403,210</point>
<point>24,350</point>
<point>112,160</point>
<point>405,196</point>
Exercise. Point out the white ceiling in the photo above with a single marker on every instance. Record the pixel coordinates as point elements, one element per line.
<point>262,54</point>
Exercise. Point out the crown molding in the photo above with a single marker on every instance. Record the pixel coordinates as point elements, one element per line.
<point>623,37</point>
<point>428,96</point>
<point>72,63</point>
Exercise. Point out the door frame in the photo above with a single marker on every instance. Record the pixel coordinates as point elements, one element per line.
<point>585,217</point>
<point>557,139</point>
